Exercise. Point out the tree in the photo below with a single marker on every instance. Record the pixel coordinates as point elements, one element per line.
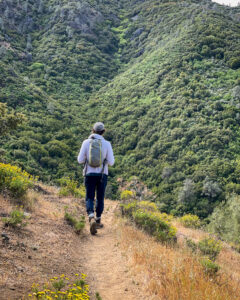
<point>9,120</point>
<point>187,193</point>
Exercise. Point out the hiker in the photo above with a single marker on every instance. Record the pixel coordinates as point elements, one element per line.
<point>96,153</point>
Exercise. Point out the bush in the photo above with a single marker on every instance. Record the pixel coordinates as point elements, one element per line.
<point>98,297</point>
<point>37,66</point>
<point>235,63</point>
<point>146,216</point>
<point>146,205</point>
<point>128,209</point>
<point>16,219</point>
<point>225,220</point>
<point>70,187</point>
<point>9,120</point>
<point>126,195</point>
<point>77,224</point>
<point>14,181</point>
<point>210,247</point>
<point>154,224</point>
<point>191,244</point>
<point>62,288</point>
<point>210,267</point>
<point>190,221</point>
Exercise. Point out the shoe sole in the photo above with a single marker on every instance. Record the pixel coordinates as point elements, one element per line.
<point>93,227</point>
<point>99,226</point>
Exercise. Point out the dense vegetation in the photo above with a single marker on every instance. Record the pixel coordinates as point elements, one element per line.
<point>163,76</point>
<point>147,217</point>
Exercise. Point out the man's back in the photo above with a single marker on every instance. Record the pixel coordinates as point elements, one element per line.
<point>107,153</point>
<point>95,184</point>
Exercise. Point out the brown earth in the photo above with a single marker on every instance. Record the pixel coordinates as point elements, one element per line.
<point>49,247</point>
<point>106,264</point>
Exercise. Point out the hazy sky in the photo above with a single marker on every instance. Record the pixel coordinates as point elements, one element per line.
<point>227,2</point>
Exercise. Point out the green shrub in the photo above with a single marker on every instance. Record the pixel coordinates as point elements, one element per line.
<point>70,187</point>
<point>154,224</point>
<point>235,63</point>
<point>192,245</point>
<point>190,221</point>
<point>126,195</point>
<point>9,120</point>
<point>98,297</point>
<point>14,181</point>
<point>210,247</point>
<point>37,66</point>
<point>146,205</point>
<point>225,220</point>
<point>128,209</point>
<point>77,224</point>
<point>146,216</point>
<point>16,219</point>
<point>210,267</point>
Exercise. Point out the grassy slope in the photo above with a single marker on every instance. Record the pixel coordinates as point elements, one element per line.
<point>175,273</point>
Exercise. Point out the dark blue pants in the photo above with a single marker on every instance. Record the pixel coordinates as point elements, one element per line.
<point>95,184</point>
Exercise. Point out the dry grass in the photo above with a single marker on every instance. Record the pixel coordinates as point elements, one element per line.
<point>229,260</point>
<point>194,234</point>
<point>5,206</point>
<point>173,273</point>
<point>28,201</point>
<point>31,199</point>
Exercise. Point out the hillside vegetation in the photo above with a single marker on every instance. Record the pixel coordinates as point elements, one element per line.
<point>162,75</point>
<point>44,256</point>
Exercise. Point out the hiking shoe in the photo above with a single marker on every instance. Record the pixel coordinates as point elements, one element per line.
<point>99,225</point>
<point>93,226</point>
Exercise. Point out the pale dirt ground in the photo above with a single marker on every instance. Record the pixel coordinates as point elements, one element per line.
<point>49,247</point>
<point>105,264</point>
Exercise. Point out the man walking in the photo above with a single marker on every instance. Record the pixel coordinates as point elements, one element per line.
<point>96,153</point>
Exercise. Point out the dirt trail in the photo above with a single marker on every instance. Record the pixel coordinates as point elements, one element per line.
<point>105,265</point>
<point>48,247</point>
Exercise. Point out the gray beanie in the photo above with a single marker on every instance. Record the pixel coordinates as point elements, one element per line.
<point>98,127</point>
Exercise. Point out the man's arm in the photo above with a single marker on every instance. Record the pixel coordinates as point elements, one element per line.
<point>82,156</point>
<point>110,156</point>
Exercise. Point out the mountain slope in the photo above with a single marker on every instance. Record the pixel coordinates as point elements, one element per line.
<point>176,115</point>
<point>162,75</point>
<point>53,55</point>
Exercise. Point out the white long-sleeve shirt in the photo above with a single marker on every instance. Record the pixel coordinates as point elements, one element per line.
<point>107,153</point>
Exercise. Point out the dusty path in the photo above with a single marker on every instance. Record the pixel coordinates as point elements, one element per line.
<point>105,265</point>
<point>48,247</point>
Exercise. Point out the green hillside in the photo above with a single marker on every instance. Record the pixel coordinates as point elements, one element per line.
<point>54,54</point>
<point>162,75</point>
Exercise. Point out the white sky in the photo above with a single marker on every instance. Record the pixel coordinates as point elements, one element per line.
<point>228,2</point>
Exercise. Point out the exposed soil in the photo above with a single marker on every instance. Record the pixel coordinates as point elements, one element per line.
<point>105,264</point>
<point>49,247</point>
